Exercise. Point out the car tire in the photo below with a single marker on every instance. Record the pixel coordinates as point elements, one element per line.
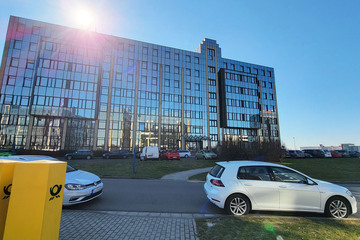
<point>107,157</point>
<point>237,205</point>
<point>88,157</point>
<point>68,157</point>
<point>186,156</point>
<point>337,207</point>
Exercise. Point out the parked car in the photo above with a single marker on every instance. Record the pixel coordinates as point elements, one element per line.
<point>287,154</point>
<point>241,186</point>
<point>184,153</point>
<point>116,154</point>
<point>354,154</point>
<point>316,153</point>
<point>205,154</point>
<point>5,152</point>
<point>296,154</point>
<point>80,186</point>
<point>170,155</point>
<point>148,153</point>
<point>344,153</point>
<point>336,154</point>
<point>79,154</point>
<point>327,153</point>
<point>308,155</point>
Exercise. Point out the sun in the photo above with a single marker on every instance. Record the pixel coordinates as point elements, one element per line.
<point>85,18</point>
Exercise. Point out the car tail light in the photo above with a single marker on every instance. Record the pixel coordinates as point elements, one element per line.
<point>217,183</point>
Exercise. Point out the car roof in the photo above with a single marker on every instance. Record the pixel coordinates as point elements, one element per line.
<point>247,163</point>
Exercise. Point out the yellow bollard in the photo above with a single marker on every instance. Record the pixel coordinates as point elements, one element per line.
<point>6,177</point>
<point>35,205</point>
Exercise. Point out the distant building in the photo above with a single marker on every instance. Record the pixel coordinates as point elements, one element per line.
<point>64,88</point>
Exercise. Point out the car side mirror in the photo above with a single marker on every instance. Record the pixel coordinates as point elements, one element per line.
<point>311,182</point>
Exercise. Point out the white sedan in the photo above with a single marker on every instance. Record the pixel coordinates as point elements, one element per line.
<point>241,186</point>
<point>80,186</point>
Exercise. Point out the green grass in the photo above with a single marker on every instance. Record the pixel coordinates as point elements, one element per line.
<point>249,227</point>
<point>327,169</point>
<point>143,169</point>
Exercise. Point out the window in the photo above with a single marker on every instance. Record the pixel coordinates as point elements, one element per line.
<point>188,58</point>
<point>232,66</point>
<point>17,44</point>
<point>263,72</point>
<point>155,66</point>
<point>177,56</point>
<point>130,77</point>
<point>211,52</point>
<point>270,85</point>
<point>177,83</point>
<point>155,52</point>
<point>197,86</point>
<point>188,72</point>
<point>167,54</point>
<point>145,50</point>
<point>11,80</point>
<point>167,68</point>
<point>197,60</point>
<point>212,95</point>
<point>211,69</point>
<point>212,82</point>
<point>188,85</point>
<point>177,70</point>
<point>197,73</point>
<point>32,47</point>
<point>249,69</point>
<point>259,173</point>
<point>256,71</point>
<point>167,82</point>
<point>154,81</point>
<point>143,79</point>
<point>144,65</point>
<point>286,175</point>
<point>14,62</point>
<point>30,64</point>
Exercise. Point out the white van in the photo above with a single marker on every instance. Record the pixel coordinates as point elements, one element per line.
<point>151,152</point>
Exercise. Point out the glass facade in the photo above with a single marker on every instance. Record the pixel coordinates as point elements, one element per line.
<point>66,89</point>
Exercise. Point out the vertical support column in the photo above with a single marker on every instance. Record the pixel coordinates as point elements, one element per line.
<point>182,110</point>
<point>160,105</point>
<point>207,94</point>
<point>63,137</point>
<point>136,103</point>
<point>107,141</point>
<point>30,127</point>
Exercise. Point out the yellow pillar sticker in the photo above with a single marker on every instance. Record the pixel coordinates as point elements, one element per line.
<point>6,177</point>
<point>35,205</point>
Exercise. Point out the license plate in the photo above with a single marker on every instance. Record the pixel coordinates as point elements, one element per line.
<point>96,190</point>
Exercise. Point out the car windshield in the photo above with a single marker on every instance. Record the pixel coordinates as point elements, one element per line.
<point>208,151</point>
<point>70,168</point>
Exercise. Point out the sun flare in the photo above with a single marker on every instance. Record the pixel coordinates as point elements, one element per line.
<point>85,19</point>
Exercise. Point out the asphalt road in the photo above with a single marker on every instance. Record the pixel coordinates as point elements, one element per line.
<point>167,196</point>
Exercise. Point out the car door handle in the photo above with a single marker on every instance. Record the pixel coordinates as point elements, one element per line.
<point>282,186</point>
<point>247,184</point>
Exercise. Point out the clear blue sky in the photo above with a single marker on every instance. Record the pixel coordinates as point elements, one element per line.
<point>314,47</point>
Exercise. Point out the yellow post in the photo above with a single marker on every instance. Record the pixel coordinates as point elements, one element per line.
<point>6,177</point>
<point>35,205</point>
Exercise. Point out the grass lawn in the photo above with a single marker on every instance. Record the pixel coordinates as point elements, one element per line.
<point>143,169</point>
<point>249,227</point>
<point>328,169</point>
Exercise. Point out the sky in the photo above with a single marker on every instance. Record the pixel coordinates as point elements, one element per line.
<point>314,47</point>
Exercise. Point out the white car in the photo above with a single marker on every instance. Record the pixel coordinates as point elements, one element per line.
<point>80,186</point>
<point>241,186</point>
<point>184,153</point>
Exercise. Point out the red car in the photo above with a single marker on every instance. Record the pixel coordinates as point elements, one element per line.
<point>170,155</point>
<point>336,154</point>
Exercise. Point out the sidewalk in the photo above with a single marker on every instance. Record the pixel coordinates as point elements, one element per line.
<point>184,176</point>
<point>128,225</point>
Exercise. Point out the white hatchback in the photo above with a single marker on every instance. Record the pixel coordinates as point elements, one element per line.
<point>80,186</point>
<point>241,186</point>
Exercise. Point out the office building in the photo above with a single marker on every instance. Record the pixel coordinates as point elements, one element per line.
<point>66,89</point>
